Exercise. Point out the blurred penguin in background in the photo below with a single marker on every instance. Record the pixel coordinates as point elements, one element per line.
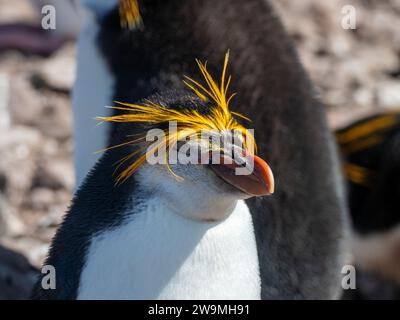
<point>371,159</point>
<point>93,89</point>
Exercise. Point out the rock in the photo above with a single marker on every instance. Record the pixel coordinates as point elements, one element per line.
<point>58,72</point>
<point>56,174</point>
<point>25,103</point>
<point>17,11</point>
<point>18,147</point>
<point>3,182</point>
<point>48,221</point>
<point>10,223</point>
<point>363,96</point>
<point>41,199</point>
<point>54,120</point>
<point>33,247</point>
<point>379,253</point>
<point>388,94</point>
<point>39,252</point>
<point>5,117</point>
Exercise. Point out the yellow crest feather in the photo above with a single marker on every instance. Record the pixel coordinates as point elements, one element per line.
<point>190,122</point>
<point>130,14</point>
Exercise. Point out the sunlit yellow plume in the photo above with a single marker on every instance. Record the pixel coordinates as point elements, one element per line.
<point>130,14</point>
<point>190,123</point>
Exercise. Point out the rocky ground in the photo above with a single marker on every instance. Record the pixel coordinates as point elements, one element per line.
<point>356,72</point>
<point>36,173</point>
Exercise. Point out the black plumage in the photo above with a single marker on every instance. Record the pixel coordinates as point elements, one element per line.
<point>371,159</point>
<point>373,147</point>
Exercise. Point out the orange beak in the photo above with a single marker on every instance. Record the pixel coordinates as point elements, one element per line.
<point>257,182</point>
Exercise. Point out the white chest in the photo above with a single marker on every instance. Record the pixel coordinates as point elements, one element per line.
<point>160,255</point>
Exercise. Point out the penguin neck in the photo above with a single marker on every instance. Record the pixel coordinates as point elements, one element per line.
<point>190,198</point>
<point>208,210</point>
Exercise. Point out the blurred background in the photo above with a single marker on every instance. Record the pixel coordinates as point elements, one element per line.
<point>356,73</point>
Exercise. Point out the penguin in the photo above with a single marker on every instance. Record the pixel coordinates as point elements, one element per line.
<point>299,232</point>
<point>186,235</point>
<point>370,149</point>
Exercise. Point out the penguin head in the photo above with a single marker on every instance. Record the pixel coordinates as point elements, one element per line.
<point>188,148</point>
